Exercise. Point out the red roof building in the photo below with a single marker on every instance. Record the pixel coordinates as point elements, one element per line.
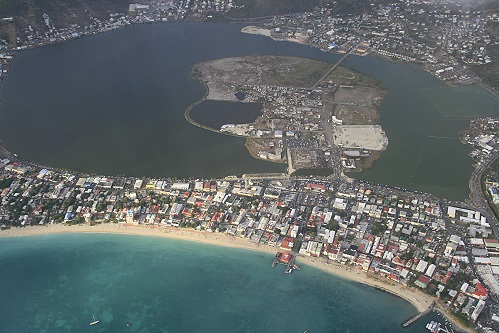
<point>316,187</point>
<point>480,291</point>
<point>285,257</point>
<point>422,281</point>
<point>287,243</point>
<point>447,277</point>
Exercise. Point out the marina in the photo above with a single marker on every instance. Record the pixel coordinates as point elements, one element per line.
<point>436,327</point>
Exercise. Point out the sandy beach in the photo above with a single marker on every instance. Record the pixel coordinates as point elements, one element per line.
<point>420,300</point>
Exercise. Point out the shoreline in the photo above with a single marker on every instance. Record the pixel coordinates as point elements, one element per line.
<point>5,153</point>
<point>197,236</point>
<point>418,299</point>
<point>255,30</point>
<point>187,117</point>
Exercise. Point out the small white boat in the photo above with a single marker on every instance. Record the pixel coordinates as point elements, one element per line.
<point>94,321</point>
<point>433,326</point>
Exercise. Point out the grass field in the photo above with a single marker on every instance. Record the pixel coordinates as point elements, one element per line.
<point>462,102</point>
<point>349,77</point>
<point>276,71</point>
<point>299,73</point>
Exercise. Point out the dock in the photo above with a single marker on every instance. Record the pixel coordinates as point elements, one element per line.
<point>287,259</point>
<point>437,327</point>
<point>446,330</point>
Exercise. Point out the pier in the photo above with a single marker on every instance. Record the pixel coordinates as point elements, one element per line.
<point>287,259</point>
<point>418,316</point>
<point>446,330</point>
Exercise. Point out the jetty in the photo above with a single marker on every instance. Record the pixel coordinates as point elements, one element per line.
<point>418,316</point>
<point>287,259</point>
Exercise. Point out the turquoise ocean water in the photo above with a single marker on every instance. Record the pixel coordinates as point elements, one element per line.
<point>57,283</point>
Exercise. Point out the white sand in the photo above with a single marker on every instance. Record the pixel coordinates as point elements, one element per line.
<point>256,31</point>
<point>419,300</point>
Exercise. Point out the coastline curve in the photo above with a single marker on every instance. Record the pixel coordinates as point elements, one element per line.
<point>187,111</point>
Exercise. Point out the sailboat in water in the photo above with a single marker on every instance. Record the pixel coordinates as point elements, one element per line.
<point>94,321</point>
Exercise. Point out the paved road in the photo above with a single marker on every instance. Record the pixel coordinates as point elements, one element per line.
<point>335,65</point>
<point>477,197</point>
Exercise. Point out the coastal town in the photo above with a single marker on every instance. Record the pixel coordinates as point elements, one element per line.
<point>443,248</point>
<point>415,241</point>
<point>447,39</point>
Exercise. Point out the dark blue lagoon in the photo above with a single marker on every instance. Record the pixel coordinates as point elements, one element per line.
<point>57,283</point>
<point>114,104</point>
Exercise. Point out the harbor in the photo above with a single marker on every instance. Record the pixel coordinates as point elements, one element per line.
<point>433,326</point>
<point>436,327</point>
<point>287,259</point>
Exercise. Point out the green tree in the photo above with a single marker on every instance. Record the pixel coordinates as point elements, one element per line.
<point>101,206</point>
<point>379,228</point>
<point>333,225</point>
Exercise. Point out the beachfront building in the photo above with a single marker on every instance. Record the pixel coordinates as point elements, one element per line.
<point>422,281</point>
<point>393,236</point>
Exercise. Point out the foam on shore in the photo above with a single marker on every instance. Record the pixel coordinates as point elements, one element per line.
<point>418,299</point>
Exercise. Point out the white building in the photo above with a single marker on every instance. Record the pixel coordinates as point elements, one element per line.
<point>430,270</point>
<point>421,266</point>
<point>181,186</point>
<point>138,184</point>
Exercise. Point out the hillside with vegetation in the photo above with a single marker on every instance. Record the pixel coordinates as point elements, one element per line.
<point>20,18</point>
<point>489,73</point>
<point>62,13</point>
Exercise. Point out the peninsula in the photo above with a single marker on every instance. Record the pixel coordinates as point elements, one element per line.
<point>408,241</point>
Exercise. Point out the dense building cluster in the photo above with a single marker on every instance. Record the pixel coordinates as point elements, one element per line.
<point>447,249</point>
<point>441,36</point>
<point>482,136</point>
<point>413,31</point>
<point>406,237</point>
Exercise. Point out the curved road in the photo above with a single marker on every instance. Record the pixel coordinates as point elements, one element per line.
<point>477,197</point>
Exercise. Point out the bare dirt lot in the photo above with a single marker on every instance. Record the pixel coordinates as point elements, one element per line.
<point>356,114</point>
<point>356,95</point>
<point>370,137</point>
<point>357,105</point>
<point>302,158</point>
<point>254,70</point>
